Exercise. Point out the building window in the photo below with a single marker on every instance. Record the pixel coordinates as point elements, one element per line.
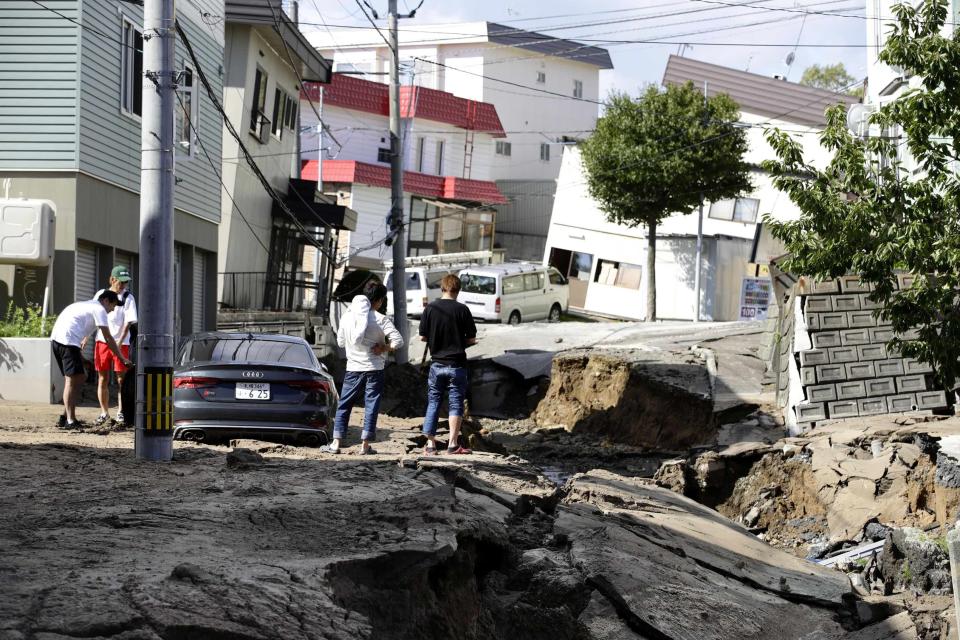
<point>291,111</point>
<point>187,113</point>
<point>258,116</point>
<point>421,145</point>
<point>541,77</point>
<point>577,89</point>
<point>544,152</point>
<point>618,274</point>
<point>439,157</point>
<point>383,155</point>
<point>736,210</point>
<point>131,69</point>
<point>279,112</point>
<point>503,148</point>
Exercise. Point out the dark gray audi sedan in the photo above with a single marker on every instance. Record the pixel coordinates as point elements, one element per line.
<point>254,385</point>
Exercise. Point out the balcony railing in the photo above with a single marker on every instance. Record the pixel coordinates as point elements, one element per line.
<point>258,291</point>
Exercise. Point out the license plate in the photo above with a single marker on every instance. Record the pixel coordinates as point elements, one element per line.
<point>253,391</point>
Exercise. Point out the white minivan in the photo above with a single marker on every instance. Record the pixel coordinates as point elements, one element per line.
<point>423,287</point>
<point>514,292</point>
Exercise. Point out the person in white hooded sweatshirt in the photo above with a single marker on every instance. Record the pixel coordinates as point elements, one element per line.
<point>367,335</point>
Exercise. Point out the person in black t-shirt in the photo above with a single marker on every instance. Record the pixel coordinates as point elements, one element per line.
<point>448,329</point>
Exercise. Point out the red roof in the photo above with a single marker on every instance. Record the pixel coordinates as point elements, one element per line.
<point>420,184</point>
<point>415,102</point>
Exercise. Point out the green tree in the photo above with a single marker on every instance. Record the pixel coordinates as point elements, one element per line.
<point>832,77</point>
<point>867,214</point>
<point>655,156</point>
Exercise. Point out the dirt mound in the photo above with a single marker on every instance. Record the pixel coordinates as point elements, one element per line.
<point>634,397</point>
<point>779,496</point>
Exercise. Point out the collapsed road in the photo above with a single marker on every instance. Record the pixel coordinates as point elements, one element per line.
<point>237,544</point>
<point>260,540</point>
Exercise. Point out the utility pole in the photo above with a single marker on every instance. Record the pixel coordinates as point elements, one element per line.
<point>396,192</point>
<point>297,170</point>
<point>696,277</point>
<point>154,434</point>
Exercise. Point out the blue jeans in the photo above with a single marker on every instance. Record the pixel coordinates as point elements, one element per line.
<point>444,378</point>
<point>355,383</point>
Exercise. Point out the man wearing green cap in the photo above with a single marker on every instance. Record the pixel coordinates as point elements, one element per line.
<point>121,319</point>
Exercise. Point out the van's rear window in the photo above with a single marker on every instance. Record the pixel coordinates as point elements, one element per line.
<point>413,281</point>
<point>472,283</point>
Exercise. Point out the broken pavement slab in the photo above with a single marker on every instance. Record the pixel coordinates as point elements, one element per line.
<point>675,522</point>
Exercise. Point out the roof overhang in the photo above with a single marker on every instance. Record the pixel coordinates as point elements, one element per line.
<point>282,33</point>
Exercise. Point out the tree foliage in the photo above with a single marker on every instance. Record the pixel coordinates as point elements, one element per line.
<point>653,156</point>
<point>832,77</point>
<point>869,214</point>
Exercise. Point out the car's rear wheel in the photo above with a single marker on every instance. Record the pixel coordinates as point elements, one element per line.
<point>514,318</point>
<point>555,312</point>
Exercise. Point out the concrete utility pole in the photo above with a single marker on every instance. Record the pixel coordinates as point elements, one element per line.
<point>396,192</point>
<point>154,435</point>
<point>696,277</point>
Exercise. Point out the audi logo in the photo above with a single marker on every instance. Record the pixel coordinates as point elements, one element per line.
<point>252,374</point>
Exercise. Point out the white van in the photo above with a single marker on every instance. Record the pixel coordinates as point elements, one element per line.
<point>423,287</point>
<point>514,292</point>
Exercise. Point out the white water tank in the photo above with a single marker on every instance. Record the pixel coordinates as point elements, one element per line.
<point>26,231</point>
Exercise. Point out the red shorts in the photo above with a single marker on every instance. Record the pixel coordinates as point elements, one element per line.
<point>104,360</point>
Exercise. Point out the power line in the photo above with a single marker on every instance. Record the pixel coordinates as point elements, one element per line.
<point>236,136</point>
<point>527,36</point>
<point>219,175</point>
<point>87,27</point>
<point>360,4</point>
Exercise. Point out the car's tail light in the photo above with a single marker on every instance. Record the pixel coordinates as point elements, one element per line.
<point>317,423</point>
<point>309,385</point>
<point>496,305</point>
<point>193,382</point>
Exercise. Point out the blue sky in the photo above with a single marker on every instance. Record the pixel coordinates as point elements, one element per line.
<point>720,33</point>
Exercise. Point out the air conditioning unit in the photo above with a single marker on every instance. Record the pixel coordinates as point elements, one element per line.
<point>26,231</point>
<point>264,129</point>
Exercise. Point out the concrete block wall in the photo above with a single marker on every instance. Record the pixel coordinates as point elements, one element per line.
<point>850,372</point>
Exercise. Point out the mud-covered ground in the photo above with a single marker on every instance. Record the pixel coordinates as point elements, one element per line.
<point>261,540</point>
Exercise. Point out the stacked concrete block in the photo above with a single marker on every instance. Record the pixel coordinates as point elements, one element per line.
<point>850,371</point>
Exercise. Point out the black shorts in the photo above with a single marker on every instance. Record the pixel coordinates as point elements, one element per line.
<point>69,358</point>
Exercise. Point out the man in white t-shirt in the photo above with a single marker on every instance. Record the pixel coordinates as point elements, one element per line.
<point>121,319</point>
<point>74,323</point>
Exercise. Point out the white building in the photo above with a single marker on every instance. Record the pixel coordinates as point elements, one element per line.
<point>261,242</point>
<point>605,261</point>
<point>446,137</point>
<point>546,90</point>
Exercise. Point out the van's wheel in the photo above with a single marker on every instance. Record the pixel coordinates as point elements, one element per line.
<point>555,312</point>
<point>514,318</point>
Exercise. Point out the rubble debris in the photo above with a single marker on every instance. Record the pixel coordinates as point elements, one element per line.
<point>899,627</point>
<point>916,561</point>
<point>372,549</point>
<point>243,459</point>
<point>655,400</point>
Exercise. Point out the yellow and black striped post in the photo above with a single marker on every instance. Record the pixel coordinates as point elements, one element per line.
<point>158,401</point>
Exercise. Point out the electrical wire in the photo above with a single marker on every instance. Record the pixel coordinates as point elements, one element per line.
<point>86,27</point>
<point>219,175</point>
<point>360,4</point>
<point>236,136</point>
